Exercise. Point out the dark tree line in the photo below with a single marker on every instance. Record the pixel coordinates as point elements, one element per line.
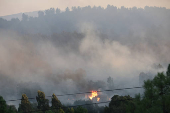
<point>155,99</point>
<point>42,106</point>
<point>117,22</point>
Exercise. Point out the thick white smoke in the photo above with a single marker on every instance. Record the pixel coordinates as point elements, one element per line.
<point>25,59</point>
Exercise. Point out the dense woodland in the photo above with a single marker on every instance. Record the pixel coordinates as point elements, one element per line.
<point>156,98</point>
<point>124,21</point>
<point>137,31</point>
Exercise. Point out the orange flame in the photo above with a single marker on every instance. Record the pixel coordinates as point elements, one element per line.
<point>98,99</point>
<point>93,94</point>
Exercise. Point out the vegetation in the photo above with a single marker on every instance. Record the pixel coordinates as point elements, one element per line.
<point>56,104</point>
<point>53,21</point>
<point>155,99</point>
<point>65,30</point>
<point>4,108</point>
<point>90,107</point>
<point>25,105</point>
<point>80,110</point>
<point>120,104</point>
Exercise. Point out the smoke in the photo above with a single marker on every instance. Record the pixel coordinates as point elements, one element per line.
<point>63,69</point>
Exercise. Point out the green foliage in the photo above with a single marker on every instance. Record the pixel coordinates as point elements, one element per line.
<point>49,111</point>
<point>157,93</point>
<point>70,110</point>
<point>11,109</point>
<point>168,71</point>
<point>56,105</point>
<point>80,110</point>
<point>90,108</point>
<point>55,102</point>
<point>25,105</point>
<point>120,104</point>
<point>156,96</point>
<point>43,104</point>
<point>34,106</point>
<point>61,111</point>
<point>3,106</point>
<point>56,111</point>
<point>155,99</point>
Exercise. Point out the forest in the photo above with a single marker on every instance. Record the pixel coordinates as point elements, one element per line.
<point>119,54</point>
<point>156,98</point>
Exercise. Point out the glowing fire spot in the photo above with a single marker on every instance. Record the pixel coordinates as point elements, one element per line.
<point>93,94</point>
<point>98,99</point>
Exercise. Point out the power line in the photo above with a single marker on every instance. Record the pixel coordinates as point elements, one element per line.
<point>109,90</point>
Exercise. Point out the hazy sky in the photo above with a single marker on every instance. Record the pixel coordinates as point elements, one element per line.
<point>8,7</point>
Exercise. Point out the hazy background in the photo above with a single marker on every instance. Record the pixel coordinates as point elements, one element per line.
<point>8,7</point>
<point>77,49</point>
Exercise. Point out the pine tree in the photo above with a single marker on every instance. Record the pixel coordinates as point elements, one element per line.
<point>25,105</point>
<point>55,102</point>
<point>168,71</point>
<point>80,110</point>
<point>3,106</point>
<point>156,97</point>
<point>70,110</point>
<point>43,104</point>
<point>120,104</point>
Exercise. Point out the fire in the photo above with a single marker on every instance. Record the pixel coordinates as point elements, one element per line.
<point>98,99</point>
<point>94,94</point>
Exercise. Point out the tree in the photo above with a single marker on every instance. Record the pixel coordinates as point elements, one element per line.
<point>80,110</point>
<point>67,9</point>
<point>49,111</point>
<point>40,14</point>
<point>156,97</point>
<point>34,106</point>
<point>110,82</point>
<point>161,83</point>
<point>57,11</point>
<point>168,71</point>
<point>3,106</point>
<point>56,111</point>
<point>61,111</point>
<point>11,109</point>
<point>90,108</point>
<point>148,103</point>
<point>56,104</point>
<point>50,11</point>
<point>15,21</point>
<point>120,104</point>
<point>43,104</point>
<point>24,17</point>
<point>70,110</point>
<point>25,105</point>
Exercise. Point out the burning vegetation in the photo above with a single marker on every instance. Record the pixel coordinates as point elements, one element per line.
<point>93,95</point>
